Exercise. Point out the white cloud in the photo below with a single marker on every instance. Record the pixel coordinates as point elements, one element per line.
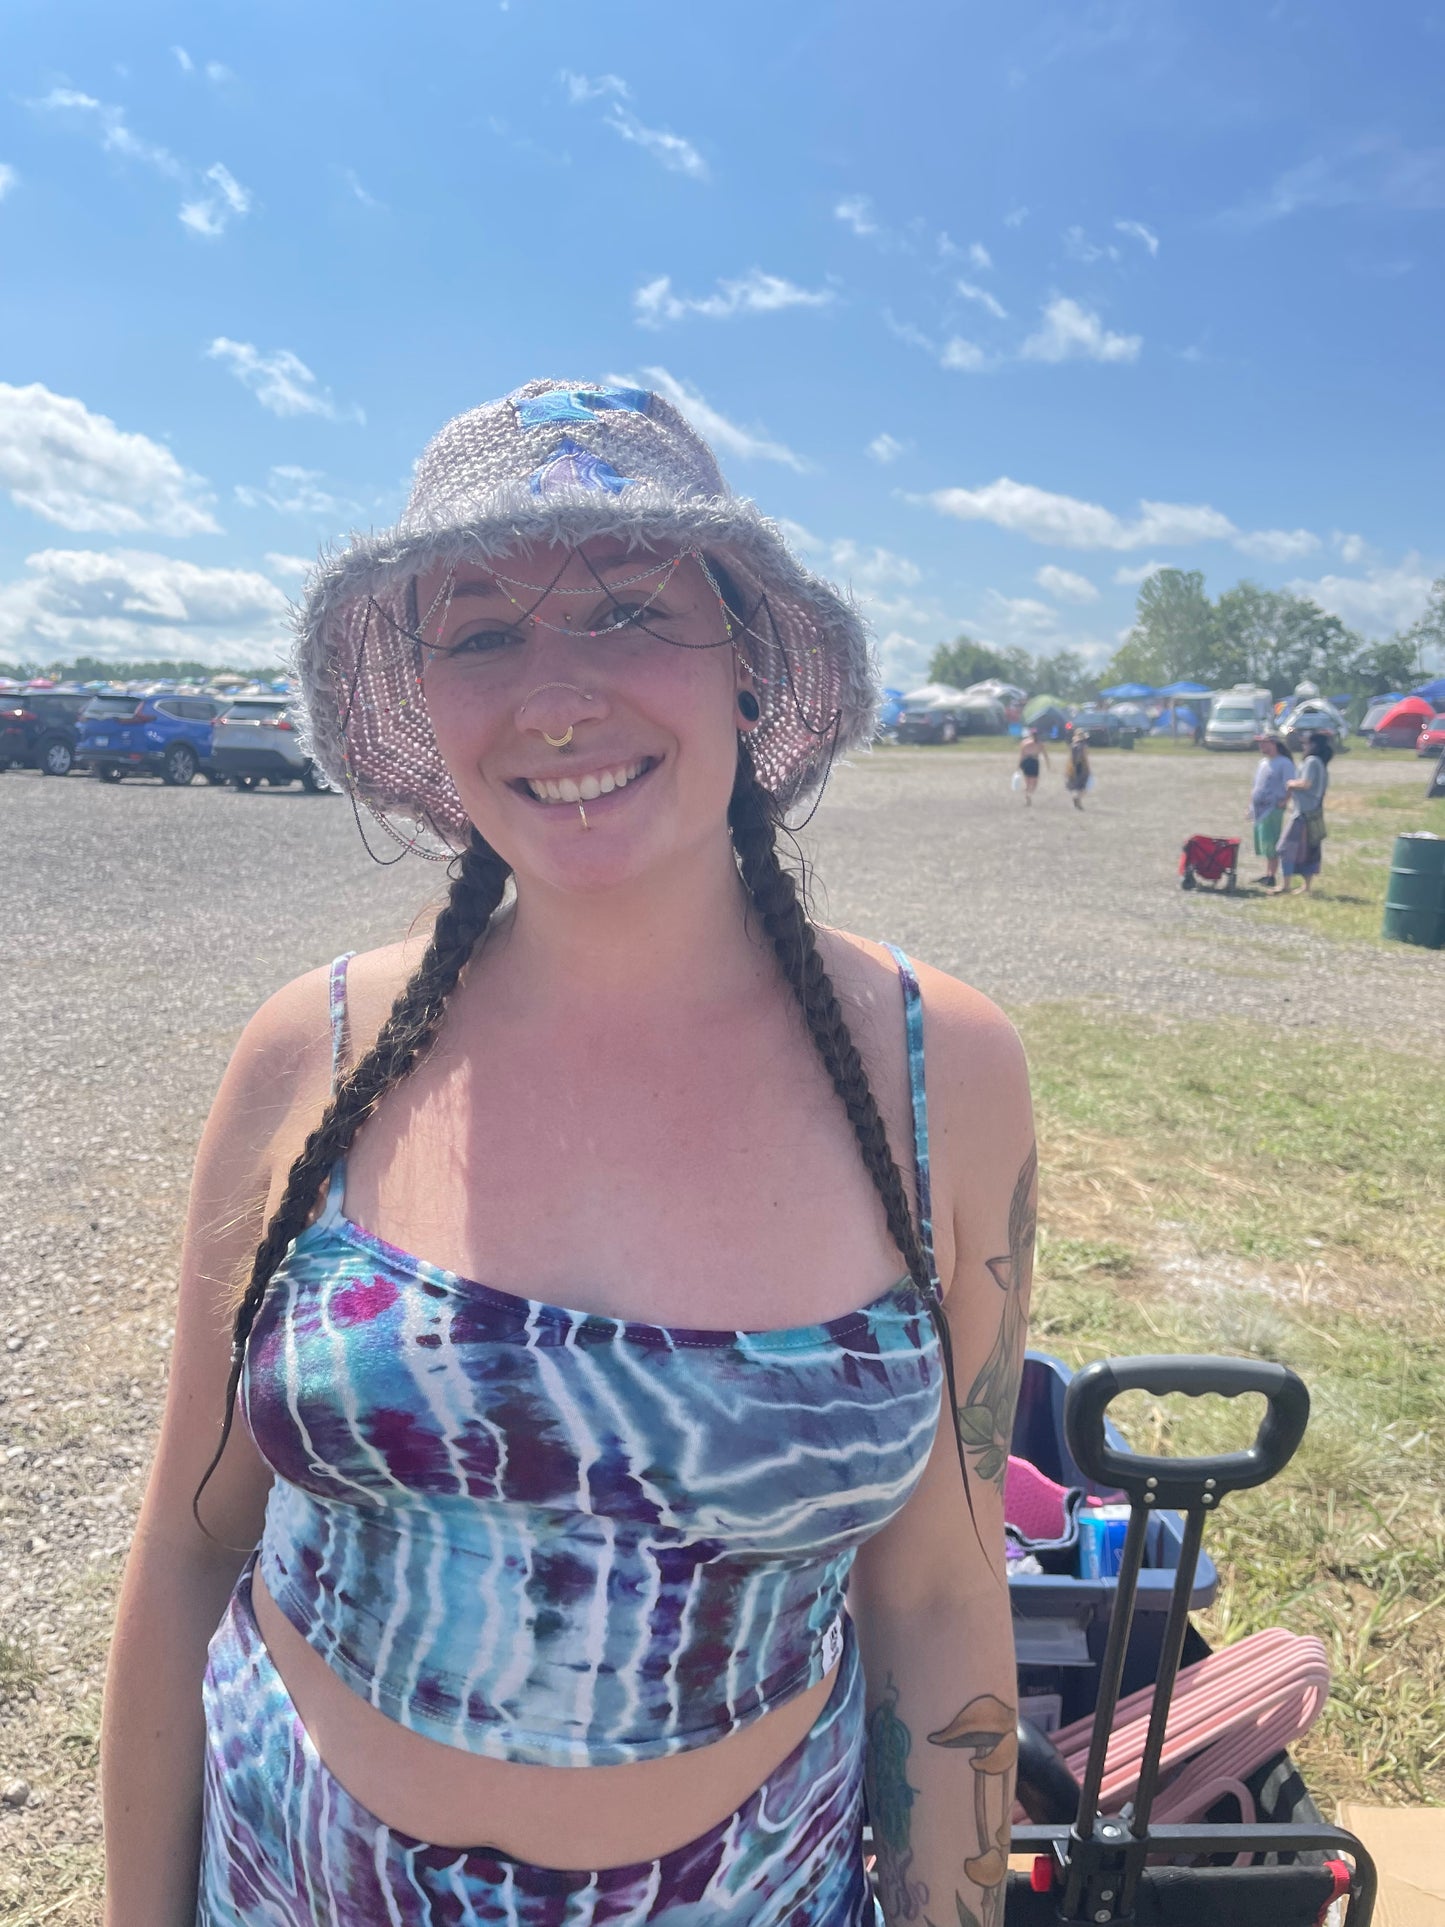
<point>1278,545</point>
<point>77,469</point>
<point>1138,232</point>
<point>216,72</point>
<point>8,179</point>
<point>868,570</point>
<point>903,660</point>
<point>1066,522</point>
<point>1072,332</point>
<point>294,565</point>
<point>671,151</point>
<point>984,299</point>
<point>296,491</point>
<point>281,382</point>
<point>109,122</point>
<point>211,213</point>
<point>964,355</point>
<point>1131,577</point>
<point>127,602</point>
<point>1378,171</point>
<point>1022,613</point>
<point>716,428</point>
<point>580,88</point>
<point>856,211</point>
<point>183,59</point>
<point>1079,247</point>
<point>886,448</point>
<point>349,175</point>
<point>1381,600</point>
<point>1352,549</point>
<point>979,256</point>
<point>1064,585</point>
<point>753,293</point>
<point>1016,217</point>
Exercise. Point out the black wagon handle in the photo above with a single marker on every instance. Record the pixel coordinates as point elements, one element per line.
<point>1176,1482</point>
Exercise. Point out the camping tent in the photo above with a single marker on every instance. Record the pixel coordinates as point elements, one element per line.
<point>1127,692</point>
<point>1046,715</point>
<point>934,692</point>
<point>1401,725</point>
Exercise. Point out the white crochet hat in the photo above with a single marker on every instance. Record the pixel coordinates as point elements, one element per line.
<point>559,461</point>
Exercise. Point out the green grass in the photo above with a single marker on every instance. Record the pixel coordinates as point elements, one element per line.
<point>1224,1189</point>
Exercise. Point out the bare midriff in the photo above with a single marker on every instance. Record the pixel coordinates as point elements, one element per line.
<point>568,1817</point>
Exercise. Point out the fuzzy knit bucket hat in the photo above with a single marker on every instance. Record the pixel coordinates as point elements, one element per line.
<point>559,461</point>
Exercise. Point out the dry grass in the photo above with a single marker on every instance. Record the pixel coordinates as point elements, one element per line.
<point>1235,1191</point>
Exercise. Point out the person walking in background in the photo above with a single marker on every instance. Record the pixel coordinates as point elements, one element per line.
<point>1030,750</point>
<point>1267,800</point>
<point>1079,774</point>
<point>1302,840</point>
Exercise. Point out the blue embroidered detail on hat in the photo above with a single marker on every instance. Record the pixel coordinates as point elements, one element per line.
<point>572,466</point>
<point>579,405</point>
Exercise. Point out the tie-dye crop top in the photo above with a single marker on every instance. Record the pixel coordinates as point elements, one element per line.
<point>557,1537</point>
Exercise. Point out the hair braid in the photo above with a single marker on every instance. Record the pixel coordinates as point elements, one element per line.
<point>753,818</point>
<point>477,887</point>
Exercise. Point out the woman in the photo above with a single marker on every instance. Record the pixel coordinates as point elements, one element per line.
<point>1030,750</point>
<point>1301,843</point>
<point>1079,775</point>
<point>1267,799</point>
<point>546,1619</point>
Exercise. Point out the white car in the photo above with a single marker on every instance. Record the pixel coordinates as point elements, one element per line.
<point>254,741</point>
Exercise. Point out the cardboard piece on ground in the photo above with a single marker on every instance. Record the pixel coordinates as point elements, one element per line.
<point>1407,1845</point>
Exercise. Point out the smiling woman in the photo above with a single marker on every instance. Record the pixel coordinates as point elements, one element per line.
<point>586,1567</point>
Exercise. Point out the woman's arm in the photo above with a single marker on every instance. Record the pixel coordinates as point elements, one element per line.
<point>929,1593</point>
<point>176,1580</point>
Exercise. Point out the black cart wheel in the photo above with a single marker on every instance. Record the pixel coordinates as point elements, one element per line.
<point>107,772</point>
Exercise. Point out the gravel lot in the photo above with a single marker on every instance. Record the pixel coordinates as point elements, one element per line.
<point>142,926</point>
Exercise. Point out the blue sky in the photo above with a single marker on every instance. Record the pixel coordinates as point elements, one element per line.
<point>996,306</point>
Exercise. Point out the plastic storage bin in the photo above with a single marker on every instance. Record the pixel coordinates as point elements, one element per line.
<point>1060,1621</point>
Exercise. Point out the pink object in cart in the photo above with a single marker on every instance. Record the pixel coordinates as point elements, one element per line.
<point>1032,1504</point>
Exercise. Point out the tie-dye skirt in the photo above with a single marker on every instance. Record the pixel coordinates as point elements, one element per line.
<point>284,1845</point>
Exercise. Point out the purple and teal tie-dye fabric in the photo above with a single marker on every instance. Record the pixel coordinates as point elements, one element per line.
<point>285,1845</point>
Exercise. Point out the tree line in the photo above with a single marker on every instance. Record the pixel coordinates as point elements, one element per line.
<point>1269,637</point>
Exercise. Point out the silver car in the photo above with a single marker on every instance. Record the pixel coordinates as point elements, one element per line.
<point>255,741</point>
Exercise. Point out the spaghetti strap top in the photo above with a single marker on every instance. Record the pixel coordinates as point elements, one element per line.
<point>563,1538</point>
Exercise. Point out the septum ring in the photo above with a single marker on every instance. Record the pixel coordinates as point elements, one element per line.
<point>559,742</point>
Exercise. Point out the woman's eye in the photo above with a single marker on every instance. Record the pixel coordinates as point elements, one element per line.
<point>482,642</point>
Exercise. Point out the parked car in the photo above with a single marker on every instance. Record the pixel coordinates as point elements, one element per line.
<point>165,736</point>
<point>256,741</point>
<point>1400,726</point>
<point>1238,716</point>
<point>39,728</point>
<point>1314,716</point>
<point>1103,729</point>
<point>938,714</point>
<point>1432,737</point>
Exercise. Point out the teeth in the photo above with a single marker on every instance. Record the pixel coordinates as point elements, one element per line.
<point>566,789</point>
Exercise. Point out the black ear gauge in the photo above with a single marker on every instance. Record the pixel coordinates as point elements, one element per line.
<point>748,706</point>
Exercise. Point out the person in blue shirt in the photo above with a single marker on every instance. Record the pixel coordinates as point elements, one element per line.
<point>1267,799</point>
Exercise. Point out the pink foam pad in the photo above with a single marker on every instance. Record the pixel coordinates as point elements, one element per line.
<point>1033,1504</point>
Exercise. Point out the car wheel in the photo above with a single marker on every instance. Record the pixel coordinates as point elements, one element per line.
<point>108,772</point>
<point>243,782</point>
<point>54,757</point>
<point>179,765</point>
<point>315,781</point>
<point>949,732</point>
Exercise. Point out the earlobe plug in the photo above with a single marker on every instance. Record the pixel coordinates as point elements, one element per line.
<point>748,707</point>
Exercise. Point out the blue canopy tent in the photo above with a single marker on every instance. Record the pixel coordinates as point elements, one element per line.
<point>1433,692</point>
<point>1173,691</point>
<point>1183,689</point>
<point>1127,692</point>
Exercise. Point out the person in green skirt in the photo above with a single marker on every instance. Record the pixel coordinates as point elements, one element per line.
<point>1267,800</point>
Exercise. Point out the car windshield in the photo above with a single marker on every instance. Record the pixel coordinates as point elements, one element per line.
<point>112,706</point>
<point>253,712</point>
<point>1234,713</point>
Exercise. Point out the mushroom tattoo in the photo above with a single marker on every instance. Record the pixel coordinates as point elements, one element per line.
<point>989,1730</point>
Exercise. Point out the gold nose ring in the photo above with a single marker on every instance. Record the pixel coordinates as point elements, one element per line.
<point>558,742</point>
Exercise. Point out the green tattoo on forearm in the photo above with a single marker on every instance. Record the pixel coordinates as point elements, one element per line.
<point>985,1423</point>
<point>890,1807</point>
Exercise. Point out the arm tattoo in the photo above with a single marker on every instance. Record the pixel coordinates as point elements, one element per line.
<point>985,1423</point>
<point>890,1808</point>
<point>987,1730</point>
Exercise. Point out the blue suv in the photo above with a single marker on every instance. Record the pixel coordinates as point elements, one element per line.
<point>165,736</point>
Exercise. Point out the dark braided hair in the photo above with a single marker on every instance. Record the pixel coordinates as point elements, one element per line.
<point>478,883</point>
<point>755,820</point>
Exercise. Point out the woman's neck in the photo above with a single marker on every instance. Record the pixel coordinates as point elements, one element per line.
<point>682,933</point>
